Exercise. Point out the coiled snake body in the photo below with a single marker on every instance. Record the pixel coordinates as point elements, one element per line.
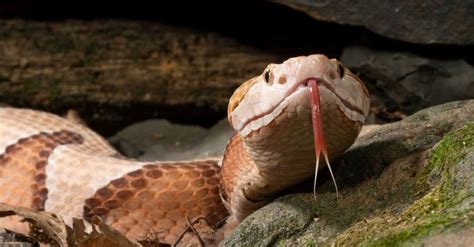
<point>49,163</point>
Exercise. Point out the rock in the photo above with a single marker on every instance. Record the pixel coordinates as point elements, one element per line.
<point>368,128</point>
<point>463,237</point>
<point>161,140</point>
<point>423,22</point>
<point>11,239</point>
<point>401,81</point>
<point>281,219</point>
<point>400,183</point>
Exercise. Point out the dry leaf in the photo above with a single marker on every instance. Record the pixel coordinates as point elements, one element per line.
<point>104,235</point>
<point>53,228</point>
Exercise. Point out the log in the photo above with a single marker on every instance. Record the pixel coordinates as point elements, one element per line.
<point>119,70</point>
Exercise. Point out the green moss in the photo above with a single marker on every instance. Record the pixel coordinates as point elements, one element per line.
<point>439,209</point>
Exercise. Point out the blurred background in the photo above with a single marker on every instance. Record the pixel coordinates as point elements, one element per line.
<point>123,62</point>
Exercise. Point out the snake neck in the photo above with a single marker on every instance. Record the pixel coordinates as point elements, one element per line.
<point>252,174</point>
<point>240,181</point>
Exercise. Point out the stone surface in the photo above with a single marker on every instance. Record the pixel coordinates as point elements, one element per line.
<point>402,81</point>
<point>424,22</point>
<point>162,140</point>
<point>407,182</point>
<point>10,239</point>
<point>463,238</point>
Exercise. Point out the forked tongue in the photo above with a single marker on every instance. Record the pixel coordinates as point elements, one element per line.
<point>319,144</point>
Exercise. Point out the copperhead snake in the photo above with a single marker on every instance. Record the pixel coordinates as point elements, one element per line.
<point>49,163</point>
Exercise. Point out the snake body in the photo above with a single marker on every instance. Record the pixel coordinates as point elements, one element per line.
<point>49,163</point>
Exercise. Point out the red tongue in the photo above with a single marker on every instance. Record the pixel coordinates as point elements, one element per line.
<point>319,144</point>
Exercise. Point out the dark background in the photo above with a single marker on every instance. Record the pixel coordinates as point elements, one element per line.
<point>262,24</point>
<point>265,25</point>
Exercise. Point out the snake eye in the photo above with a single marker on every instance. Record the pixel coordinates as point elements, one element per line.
<point>266,75</point>
<point>340,70</point>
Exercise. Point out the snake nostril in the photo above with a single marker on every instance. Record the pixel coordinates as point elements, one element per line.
<point>282,79</point>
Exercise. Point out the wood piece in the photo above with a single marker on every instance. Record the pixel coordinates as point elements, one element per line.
<point>111,70</point>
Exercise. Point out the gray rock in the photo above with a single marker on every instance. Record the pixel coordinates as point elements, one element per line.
<point>10,239</point>
<point>424,22</point>
<point>408,82</point>
<point>464,238</point>
<point>162,140</point>
<point>408,182</point>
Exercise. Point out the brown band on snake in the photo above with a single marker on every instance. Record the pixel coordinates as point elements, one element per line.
<point>26,160</point>
<point>158,198</point>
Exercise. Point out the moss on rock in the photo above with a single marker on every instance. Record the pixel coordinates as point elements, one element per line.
<point>406,183</point>
<point>441,209</point>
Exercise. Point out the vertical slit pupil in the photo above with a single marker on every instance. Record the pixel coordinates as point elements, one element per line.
<point>340,69</point>
<point>267,75</point>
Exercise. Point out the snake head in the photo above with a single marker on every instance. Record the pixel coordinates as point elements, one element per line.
<point>276,114</point>
<point>283,87</point>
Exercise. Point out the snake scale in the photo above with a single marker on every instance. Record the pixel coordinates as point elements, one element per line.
<point>50,163</point>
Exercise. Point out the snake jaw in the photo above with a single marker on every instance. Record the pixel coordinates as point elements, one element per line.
<point>263,118</point>
<point>258,101</point>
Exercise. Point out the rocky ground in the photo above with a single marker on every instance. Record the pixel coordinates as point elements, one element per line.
<point>409,182</point>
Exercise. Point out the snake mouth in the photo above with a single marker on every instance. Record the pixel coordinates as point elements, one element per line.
<point>265,117</point>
